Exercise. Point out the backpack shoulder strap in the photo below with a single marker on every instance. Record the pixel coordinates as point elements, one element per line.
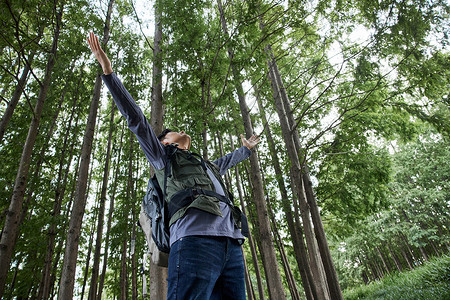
<point>170,152</point>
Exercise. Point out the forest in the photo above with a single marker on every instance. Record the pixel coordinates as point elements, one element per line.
<point>349,185</point>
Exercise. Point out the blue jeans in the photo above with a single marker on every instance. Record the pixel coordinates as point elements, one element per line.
<point>206,267</point>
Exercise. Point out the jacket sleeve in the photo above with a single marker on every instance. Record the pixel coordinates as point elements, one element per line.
<point>231,159</point>
<point>136,120</point>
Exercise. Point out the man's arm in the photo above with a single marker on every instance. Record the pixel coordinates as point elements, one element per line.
<point>136,120</point>
<point>230,160</point>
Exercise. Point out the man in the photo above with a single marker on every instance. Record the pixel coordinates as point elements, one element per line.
<point>206,260</point>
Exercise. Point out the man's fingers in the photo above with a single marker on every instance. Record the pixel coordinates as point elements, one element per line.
<point>93,42</point>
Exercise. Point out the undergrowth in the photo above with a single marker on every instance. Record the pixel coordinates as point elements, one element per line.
<point>430,281</point>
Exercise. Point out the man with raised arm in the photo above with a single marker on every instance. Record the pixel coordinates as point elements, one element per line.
<point>205,260</point>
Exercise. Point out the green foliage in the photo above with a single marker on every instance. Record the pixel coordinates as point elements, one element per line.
<point>417,213</point>
<point>349,98</point>
<point>431,281</point>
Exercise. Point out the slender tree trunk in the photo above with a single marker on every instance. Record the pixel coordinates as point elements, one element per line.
<point>255,241</point>
<point>251,239</point>
<point>330,271</point>
<point>15,97</point>
<point>250,236</point>
<point>73,235</point>
<point>158,275</point>
<point>123,270</point>
<point>91,231</point>
<point>101,216</point>
<point>88,257</point>
<point>248,282</point>
<point>297,180</point>
<point>287,269</point>
<point>296,235</point>
<point>44,290</point>
<point>251,243</point>
<point>124,258</point>
<point>273,277</point>
<point>133,265</point>
<point>394,257</point>
<point>11,227</point>
<point>380,255</point>
<point>110,217</point>
<point>134,291</point>
<point>406,258</point>
<point>157,112</point>
<point>292,143</point>
<point>61,240</point>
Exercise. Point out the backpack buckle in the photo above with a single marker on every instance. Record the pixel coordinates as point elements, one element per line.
<point>195,193</point>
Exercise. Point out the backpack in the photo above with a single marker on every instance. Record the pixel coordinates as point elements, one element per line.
<point>154,221</point>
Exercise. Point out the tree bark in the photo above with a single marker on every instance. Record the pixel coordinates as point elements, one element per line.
<point>293,146</point>
<point>101,214</point>
<point>296,172</point>
<point>11,227</point>
<point>287,269</point>
<point>73,235</point>
<point>88,257</point>
<point>296,235</point>
<point>110,214</point>
<point>44,289</point>
<point>273,277</point>
<point>250,236</point>
<point>158,275</point>
<point>123,270</point>
<point>394,257</point>
<point>15,97</point>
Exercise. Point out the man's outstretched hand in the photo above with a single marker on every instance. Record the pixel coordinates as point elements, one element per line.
<point>99,53</point>
<point>251,142</point>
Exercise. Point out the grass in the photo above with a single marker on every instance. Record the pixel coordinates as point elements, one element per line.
<point>428,282</point>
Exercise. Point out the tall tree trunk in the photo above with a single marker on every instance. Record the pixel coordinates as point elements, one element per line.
<point>123,270</point>
<point>19,90</point>
<point>287,269</point>
<point>273,277</point>
<point>250,236</point>
<point>295,172</point>
<point>91,231</point>
<point>158,275</point>
<point>406,258</point>
<point>296,235</point>
<point>89,252</point>
<point>73,235</point>
<point>44,289</point>
<point>381,256</point>
<point>394,257</point>
<point>290,136</point>
<point>101,214</point>
<point>134,292</point>
<point>330,270</point>
<point>11,227</point>
<point>110,217</point>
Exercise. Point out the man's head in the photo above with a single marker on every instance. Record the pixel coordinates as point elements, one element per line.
<point>180,138</point>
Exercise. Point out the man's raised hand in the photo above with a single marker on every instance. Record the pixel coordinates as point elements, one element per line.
<point>251,142</point>
<point>99,53</point>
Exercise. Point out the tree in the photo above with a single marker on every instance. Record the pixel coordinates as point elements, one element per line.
<point>70,256</point>
<point>10,229</point>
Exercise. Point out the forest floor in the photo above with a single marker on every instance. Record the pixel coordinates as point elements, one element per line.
<point>428,282</point>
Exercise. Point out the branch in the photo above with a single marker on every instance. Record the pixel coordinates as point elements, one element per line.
<point>140,26</point>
